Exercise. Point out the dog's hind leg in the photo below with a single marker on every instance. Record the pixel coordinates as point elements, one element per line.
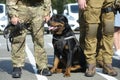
<point>75,67</point>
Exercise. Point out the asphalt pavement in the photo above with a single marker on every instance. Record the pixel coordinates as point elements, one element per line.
<point>29,70</point>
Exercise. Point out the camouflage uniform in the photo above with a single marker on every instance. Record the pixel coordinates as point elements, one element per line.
<point>92,21</point>
<point>33,12</point>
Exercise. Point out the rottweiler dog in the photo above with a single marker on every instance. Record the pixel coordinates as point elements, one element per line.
<point>68,55</point>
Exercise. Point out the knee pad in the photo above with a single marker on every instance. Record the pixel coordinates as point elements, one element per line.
<point>91,30</point>
<point>108,27</point>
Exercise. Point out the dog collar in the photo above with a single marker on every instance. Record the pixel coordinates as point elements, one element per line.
<point>70,37</point>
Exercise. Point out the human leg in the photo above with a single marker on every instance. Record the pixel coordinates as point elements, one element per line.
<point>38,40</point>
<point>18,54</point>
<point>90,49</point>
<point>91,18</point>
<point>18,43</point>
<point>107,41</point>
<point>117,40</point>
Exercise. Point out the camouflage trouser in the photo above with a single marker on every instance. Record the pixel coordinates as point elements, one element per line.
<point>34,16</point>
<point>89,25</point>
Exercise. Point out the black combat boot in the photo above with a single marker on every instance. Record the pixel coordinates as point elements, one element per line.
<point>17,71</point>
<point>44,72</point>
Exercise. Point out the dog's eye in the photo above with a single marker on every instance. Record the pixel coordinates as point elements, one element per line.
<point>58,26</point>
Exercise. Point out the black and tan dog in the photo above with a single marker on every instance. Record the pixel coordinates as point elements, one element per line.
<point>68,56</point>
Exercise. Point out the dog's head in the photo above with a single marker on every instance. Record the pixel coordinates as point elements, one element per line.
<point>58,23</point>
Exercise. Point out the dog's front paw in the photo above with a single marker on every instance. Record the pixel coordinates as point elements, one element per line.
<point>67,74</point>
<point>53,70</point>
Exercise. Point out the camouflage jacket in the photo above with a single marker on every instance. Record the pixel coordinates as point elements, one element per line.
<point>12,5</point>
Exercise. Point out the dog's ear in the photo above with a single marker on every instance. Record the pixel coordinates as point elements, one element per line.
<point>59,18</point>
<point>53,18</point>
<point>64,19</point>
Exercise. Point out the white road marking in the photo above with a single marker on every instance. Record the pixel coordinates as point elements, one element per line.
<point>5,58</point>
<point>107,76</point>
<point>50,45</point>
<point>99,71</point>
<point>32,61</point>
<point>8,58</point>
<point>116,57</point>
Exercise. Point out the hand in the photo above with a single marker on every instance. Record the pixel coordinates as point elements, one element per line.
<point>82,4</point>
<point>14,20</point>
<point>47,18</point>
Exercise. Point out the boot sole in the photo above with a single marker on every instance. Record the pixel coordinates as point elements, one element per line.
<point>89,75</point>
<point>105,72</point>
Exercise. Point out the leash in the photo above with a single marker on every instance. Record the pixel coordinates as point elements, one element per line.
<point>13,30</point>
<point>7,45</point>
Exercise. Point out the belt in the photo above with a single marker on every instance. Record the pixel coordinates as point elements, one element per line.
<point>107,9</point>
<point>29,3</point>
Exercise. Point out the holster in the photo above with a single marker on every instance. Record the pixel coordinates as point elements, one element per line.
<point>108,9</point>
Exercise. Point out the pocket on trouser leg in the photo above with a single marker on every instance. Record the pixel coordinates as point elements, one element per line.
<point>92,15</point>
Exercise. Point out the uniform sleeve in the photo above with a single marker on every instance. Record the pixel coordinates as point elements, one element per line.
<point>12,7</point>
<point>47,6</point>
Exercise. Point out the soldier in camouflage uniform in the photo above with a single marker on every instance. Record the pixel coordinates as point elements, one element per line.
<point>93,14</point>
<point>33,12</point>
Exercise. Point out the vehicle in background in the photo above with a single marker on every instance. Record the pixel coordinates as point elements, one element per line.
<point>71,12</point>
<point>46,28</point>
<point>3,17</point>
